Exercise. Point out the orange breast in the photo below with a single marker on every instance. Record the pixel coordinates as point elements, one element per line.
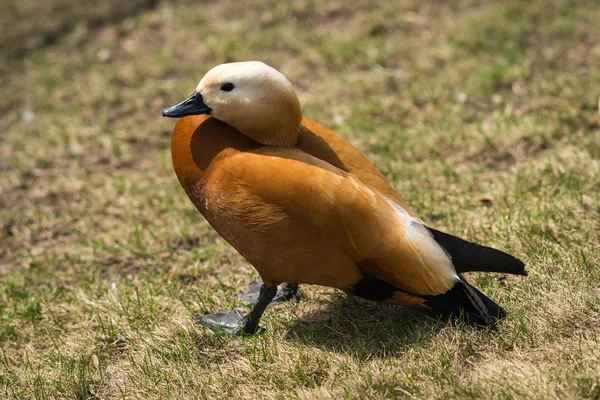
<point>198,139</point>
<point>211,160</point>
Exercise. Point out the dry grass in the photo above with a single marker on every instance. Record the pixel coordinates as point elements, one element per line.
<point>484,115</point>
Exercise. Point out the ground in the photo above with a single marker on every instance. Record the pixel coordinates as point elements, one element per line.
<point>484,115</point>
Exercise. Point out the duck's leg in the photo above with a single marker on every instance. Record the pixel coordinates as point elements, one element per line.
<point>286,291</point>
<point>235,322</point>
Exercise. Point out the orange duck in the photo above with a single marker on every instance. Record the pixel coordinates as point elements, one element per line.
<point>302,205</point>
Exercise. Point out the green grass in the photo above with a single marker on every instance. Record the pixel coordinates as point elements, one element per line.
<point>483,115</point>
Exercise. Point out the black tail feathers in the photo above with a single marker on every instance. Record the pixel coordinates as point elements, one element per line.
<point>465,300</point>
<point>468,256</point>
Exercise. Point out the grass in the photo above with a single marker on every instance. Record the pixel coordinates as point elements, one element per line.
<point>484,116</point>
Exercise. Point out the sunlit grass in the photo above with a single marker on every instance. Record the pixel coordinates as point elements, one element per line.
<point>483,115</point>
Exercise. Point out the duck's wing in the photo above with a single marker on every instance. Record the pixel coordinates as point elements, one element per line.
<point>374,231</point>
<point>323,143</point>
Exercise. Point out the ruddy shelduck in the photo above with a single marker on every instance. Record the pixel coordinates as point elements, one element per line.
<point>302,205</point>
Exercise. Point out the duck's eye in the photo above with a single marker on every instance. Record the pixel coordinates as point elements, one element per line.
<point>227,87</point>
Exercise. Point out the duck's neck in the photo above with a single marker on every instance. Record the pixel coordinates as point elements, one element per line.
<point>273,134</point>
<point>274,123</point>
<point>195,143</point>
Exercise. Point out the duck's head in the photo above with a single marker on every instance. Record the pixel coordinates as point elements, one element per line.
<point>252,97</point>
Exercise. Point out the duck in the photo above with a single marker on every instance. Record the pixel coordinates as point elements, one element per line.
<point>304,206</point>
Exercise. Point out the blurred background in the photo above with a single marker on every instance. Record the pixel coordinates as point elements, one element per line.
<point>484,115</point>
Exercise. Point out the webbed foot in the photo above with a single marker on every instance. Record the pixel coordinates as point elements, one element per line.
<point>286,291</point>
<point>234,322</point>
<point>231,322</point>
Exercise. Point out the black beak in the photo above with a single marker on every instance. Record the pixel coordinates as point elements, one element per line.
<point>193,105</point>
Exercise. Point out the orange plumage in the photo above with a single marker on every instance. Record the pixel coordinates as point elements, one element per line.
<point>303,205</point>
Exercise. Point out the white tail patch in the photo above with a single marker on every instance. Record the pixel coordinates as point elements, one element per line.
<point>422,240</point>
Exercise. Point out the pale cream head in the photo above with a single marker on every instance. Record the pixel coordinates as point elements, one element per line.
<point>255,99</point>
